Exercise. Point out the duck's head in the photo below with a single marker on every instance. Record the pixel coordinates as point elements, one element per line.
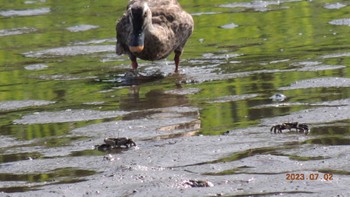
<point>139,16</point>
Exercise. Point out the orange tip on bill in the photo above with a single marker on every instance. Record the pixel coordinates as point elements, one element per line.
<point>136,49</point>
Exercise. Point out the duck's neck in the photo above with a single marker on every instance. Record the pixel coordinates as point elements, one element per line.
<point>155,32</point>
<point>149,28</point>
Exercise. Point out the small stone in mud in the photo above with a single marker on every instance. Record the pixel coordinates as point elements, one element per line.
<point>229,26</point>
<point>109,157</point>
<point>198,183</point>
<point>278,97</point>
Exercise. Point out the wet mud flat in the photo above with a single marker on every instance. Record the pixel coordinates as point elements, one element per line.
<point>170,152</point>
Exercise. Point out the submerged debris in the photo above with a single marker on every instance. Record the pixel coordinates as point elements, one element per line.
<point>301,128</point>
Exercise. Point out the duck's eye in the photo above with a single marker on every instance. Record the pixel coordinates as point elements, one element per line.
<point>145,14</point>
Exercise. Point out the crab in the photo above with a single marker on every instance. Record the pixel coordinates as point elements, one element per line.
<point>119,142</point>
<point>198,183</point>
<point>302,128</point>
<point>103,147</point>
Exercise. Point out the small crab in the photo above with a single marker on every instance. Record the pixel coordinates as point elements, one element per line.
<point>302,128</point>
<point>103,147</point>
<point>119,142</point>
<point>198,183</point>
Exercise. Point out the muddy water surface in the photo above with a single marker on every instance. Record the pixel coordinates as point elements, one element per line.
<point>63,90</point>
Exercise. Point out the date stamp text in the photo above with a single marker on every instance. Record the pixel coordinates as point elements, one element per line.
<point>311,176</point>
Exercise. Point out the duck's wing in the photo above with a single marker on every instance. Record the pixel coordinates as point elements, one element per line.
<point>174,18</point>
<point>122,29</point>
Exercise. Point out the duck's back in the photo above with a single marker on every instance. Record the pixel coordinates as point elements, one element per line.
<point>170,15</point>
<point>155,3</point>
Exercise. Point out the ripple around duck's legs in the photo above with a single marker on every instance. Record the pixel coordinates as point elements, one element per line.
<point>134,77</point>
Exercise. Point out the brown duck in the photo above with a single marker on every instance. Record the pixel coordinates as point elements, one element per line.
<point>152,29</point>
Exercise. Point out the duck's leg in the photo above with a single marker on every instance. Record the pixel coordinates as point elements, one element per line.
<point>177,60</point>
<point>134,63</point>
<point>133,73</point>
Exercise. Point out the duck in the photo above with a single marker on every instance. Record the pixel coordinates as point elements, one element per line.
<point>152,30</point>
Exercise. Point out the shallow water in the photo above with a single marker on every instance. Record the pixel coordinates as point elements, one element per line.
<point>63,90</point>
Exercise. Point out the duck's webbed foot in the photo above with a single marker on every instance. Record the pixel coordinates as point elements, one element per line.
<point>132,74</point>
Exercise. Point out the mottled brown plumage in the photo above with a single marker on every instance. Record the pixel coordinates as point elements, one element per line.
<point>152,29</point>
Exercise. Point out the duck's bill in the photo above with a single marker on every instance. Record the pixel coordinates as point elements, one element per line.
<point>136,49</point>
<point>136,42</point>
